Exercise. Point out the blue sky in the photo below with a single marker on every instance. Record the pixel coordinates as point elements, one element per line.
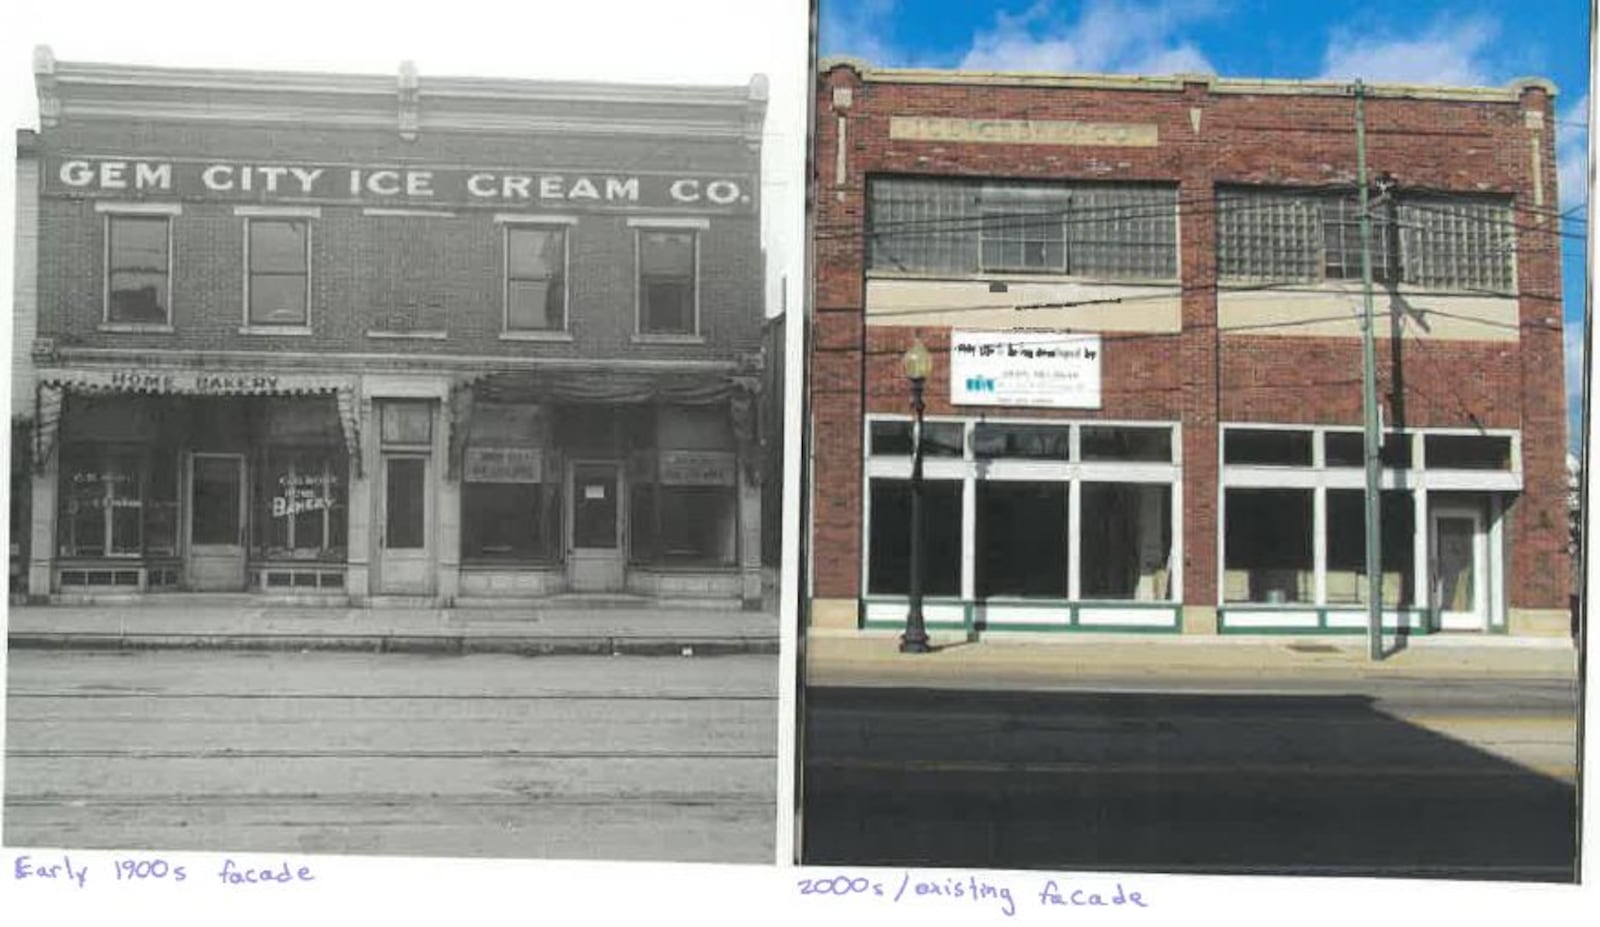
<point>1421,41</point>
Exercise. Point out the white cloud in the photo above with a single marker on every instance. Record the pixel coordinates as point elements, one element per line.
<point>1109,36</point>
<point>1448,52</point>
<point>860,29</point>
<point>1572,153</point>
<point>1572,335</point>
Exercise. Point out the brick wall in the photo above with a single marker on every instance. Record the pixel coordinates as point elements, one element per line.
<point>397,272</point>
<point>1199,376</point>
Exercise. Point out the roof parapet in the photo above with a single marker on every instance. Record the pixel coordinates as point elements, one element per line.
<point>1174,82</point>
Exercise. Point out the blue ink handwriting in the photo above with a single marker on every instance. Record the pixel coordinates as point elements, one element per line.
<point>233,874</point>
<point>23,868</point>
<point>1051,896</point>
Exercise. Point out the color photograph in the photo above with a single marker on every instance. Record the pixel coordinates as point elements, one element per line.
<point>1194,409</point>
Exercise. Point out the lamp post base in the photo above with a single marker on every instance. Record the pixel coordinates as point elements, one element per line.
<point>914,642</point>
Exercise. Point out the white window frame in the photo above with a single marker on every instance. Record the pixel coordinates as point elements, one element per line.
<point>969,469</point>
<point>1318,478</point>
<point>510,222</point>
<point>111,211</point>
<point>306,214</point>
<point>695,227</point>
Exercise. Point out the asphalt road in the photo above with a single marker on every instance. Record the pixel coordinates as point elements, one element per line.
<point>1398,777</point>
<point>630,758</point>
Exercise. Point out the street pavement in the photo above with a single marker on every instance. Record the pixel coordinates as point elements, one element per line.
<point>614,757</point>
<point>1443,767</point>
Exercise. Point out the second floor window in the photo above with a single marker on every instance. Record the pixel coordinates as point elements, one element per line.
<point>959,226</point>
<point>1306,236</point>
<point>667,287</point>
<point>137,269</point>
<point>536,279</point>
<point>279,258</point>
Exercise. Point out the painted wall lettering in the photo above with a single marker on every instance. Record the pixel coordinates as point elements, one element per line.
<point>378,184</point>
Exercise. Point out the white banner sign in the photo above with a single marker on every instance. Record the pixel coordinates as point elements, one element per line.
<point>1025,369</point>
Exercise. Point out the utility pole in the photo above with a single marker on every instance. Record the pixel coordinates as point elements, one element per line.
<point>1369,393</point>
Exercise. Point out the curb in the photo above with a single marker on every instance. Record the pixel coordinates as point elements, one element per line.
<point>444,644</point>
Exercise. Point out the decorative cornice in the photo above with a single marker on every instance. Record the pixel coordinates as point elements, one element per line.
<point>407,103</point>
<point>1176,82</point>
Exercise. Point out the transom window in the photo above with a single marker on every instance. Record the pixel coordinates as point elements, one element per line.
<point>536,278</point>
<point>962,226</point>
<point>138,250</point>
<point>278,282</point>
<point>1443,241</point>
<point>667,281</point>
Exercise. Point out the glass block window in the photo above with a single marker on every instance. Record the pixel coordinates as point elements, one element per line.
<point>1457,243</point>
<point>1283,236</point>
<point>968,226</point>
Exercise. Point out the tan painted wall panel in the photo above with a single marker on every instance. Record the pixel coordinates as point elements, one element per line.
<point>1337,312</point>
<point>969,303</point>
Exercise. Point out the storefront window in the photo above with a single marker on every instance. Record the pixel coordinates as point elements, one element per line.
<point>889,548</point>
<point>1267,545</point>
<point>1023,539</point>
<point>1347,546</point>
<point>511,521</point>
<point>301,505</point>
<point>1126,541</point>
<point>511,500</point>
<point>684,525</point>
<point>102,502</point>
<point>683,504</point>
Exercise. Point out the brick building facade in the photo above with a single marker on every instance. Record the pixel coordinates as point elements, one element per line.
<point>430,339</point>
<point>1151,289</point>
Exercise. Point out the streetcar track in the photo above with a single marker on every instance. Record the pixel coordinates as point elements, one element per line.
<point>407,802</point>
<point>250,753</point>
<point>343,696</point>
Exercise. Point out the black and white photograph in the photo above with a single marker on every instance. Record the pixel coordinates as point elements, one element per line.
<point>397,431</point>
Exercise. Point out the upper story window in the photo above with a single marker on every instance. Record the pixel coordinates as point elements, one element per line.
<point>1281,236</point>
<point>971,226</point>
<point>277,285</point>
<point>668,281</point>
<point>536,278</point>
<point>138,268</point>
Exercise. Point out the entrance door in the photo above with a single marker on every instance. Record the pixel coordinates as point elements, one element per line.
<point>216,522</point>
<point>1459,586</point>
<point>595,558</point>
<point>405,526</point>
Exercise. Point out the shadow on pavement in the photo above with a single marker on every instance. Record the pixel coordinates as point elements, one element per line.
<point>1160,782</point>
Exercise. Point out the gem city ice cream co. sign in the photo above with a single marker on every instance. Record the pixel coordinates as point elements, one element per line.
<point>392,185</point>
<point>1052,369</point>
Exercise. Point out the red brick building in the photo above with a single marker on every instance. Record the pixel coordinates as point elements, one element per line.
<point>1150,291</point>
<point>431,339</point>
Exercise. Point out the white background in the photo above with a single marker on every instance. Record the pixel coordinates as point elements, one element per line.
<point>647,40</point>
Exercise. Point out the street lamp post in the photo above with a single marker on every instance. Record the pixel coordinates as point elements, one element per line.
<point>917,364</point>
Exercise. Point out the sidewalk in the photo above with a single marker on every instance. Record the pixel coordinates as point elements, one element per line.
<point>565,629</point>
<point>853,658</point>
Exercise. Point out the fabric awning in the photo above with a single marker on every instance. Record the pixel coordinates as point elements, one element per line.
<point>55,383</point>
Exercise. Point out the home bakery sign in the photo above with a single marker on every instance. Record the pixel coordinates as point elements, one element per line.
<point>398,185</point>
